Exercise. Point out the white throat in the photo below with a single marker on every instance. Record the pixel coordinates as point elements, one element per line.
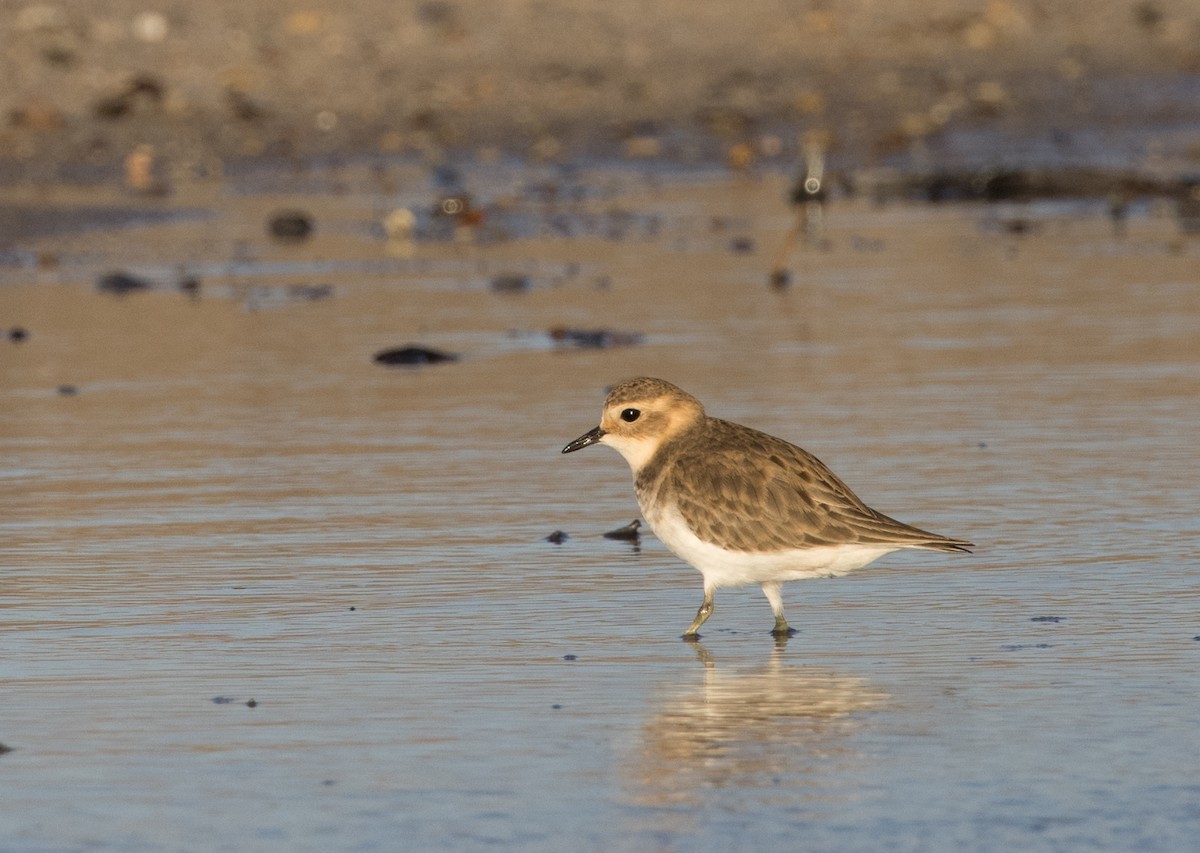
<point>637,452</point>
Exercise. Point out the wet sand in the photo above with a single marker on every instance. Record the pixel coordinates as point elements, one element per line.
<point>236,503</point>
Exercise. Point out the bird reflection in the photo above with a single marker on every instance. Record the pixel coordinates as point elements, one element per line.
<point>773,726</point>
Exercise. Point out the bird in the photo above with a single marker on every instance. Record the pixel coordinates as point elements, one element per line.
<point>739,505</point>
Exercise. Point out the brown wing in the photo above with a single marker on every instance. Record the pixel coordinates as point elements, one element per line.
<point>750,491</point>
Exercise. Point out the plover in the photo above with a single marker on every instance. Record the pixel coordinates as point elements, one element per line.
<point>739,505</point>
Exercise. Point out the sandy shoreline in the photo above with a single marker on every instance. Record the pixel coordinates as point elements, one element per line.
<point>87,83</point>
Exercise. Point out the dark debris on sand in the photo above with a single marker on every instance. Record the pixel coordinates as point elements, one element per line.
<point>413,356</point>
<point>628,533</point>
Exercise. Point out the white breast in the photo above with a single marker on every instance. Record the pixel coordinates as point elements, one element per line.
<point>722,568</point>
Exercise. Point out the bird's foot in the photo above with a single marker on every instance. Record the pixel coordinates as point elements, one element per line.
<point>781,628</point>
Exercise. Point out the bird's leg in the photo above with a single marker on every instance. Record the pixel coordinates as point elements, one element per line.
<point>706,609</point>
<point>771,591</point>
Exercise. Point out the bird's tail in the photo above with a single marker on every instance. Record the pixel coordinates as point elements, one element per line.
<point>943,544</point>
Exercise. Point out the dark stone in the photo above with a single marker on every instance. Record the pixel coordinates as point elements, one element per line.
<point>780,279</point>
<point>142,90</point>
<point>741,245</point>
<point>413,355</point>
<point>290,225</point>
<point>121,283</point>
<point>556,538</point>
<point>510,283</point>
<point>243,107</point>
<point>67,390</point>
<point>1147,15</point>
<point>1018,225</point>
<point>17,334</point>
<point>628,533</point>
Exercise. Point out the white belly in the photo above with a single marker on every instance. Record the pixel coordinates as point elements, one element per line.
<point>722,568</point>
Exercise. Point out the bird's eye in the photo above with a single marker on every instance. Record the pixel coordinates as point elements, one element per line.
<point>630,415</point>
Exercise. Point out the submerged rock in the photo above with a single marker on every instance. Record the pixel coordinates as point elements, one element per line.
<point>413,355</point>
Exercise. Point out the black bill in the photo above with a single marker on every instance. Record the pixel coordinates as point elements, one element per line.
<point>585,440</point>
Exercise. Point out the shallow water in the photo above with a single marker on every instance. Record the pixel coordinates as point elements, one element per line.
<point>237,505</point>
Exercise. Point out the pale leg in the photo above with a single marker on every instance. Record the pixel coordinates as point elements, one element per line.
<point>771,591</point>
<point>706,609</point>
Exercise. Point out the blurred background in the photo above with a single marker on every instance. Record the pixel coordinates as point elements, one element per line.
<point>1035,81</point>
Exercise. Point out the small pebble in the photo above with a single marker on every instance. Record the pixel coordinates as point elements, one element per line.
<point>1017,226</point>
<point>121,283</point>
<point>1048,619</point>
<point>556,538</point>
<point>780,279</point>
<point>576,657</point>
<point>510,283</point>
<point>67,390</point>
<point>628,533</point>
<point>413,355</point>
<point>741,245</point>
<point>17,334</point>
<point>290,225</point>
<point>251,704</point>
<point>399,224</point>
